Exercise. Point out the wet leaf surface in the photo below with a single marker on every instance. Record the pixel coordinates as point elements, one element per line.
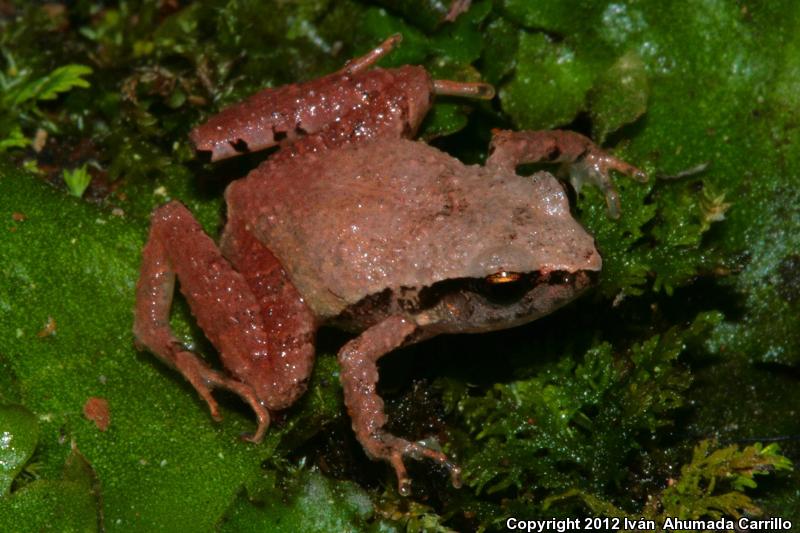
<point>17,442</point>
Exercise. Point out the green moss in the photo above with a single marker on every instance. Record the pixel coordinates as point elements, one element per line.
<point>590,416</point>
<point>162,463</point>
<point>711,486</point>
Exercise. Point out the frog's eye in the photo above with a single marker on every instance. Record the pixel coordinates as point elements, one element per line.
<point>503,277</point>
<point>505,287</point>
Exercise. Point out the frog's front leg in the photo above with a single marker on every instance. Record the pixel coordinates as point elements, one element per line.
<point>226,309</point>
<point>585,161</point>
<point>359,375</point>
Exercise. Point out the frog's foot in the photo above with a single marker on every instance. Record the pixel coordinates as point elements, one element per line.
<point>360,64</point>
<point>359,375</point>
<point>595,168</point>
<point>204,379</point>
<point>585,161</point>
<point>393,449</point>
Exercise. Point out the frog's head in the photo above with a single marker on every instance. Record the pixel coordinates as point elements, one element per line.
<point>500,300</point>
<point>531,259</point>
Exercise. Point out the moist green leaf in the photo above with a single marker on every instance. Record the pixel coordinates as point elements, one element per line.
<point>549,86</point>
<point>50,506</point>
<point>659,236</point>
<point>162,463</point>
<point>624,270</point>
<point>18,439</point>
<point>449,114</point>
<point>426,14</point>
<point>304,501</point>
<point>559,16</point>
<point>619,96</point>
<point>9,387</point>
<point>378,24</point>
<point>444,118</point>
<point>71,504</point>
<point>462,40</point>
<point>500,52</point>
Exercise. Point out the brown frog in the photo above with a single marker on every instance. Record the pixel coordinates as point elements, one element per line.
<point>353,224</point>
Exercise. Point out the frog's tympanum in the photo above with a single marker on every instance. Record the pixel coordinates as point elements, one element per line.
<point>352,223</point>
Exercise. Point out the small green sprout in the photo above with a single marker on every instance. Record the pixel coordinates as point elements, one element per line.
<point>77,180</point>
<point>712,207</point>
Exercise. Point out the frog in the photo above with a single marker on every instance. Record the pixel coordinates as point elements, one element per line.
<point>352,223</point>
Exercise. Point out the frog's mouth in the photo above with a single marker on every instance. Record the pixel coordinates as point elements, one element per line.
<point>471,305</point>
<point>503,288</point>
<point>498,301</point>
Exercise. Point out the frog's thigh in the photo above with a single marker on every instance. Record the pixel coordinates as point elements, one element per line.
<point>359,376</point>
<point>281,378</point>
<point>218,296</point>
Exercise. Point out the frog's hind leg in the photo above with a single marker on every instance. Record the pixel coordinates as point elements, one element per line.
<point>354,104</point>
<point>281,378</point>
<point>220,299</point>
<point>282,115</point>
<point>362,63</point>
<point>585,161</point>
<point>359,376</point>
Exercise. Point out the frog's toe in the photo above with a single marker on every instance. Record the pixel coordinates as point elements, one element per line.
<point>263,423</point>
<point>204,379</point>
<point>419,451</point>
<point>595,168</point>
<point>604,163</point>
<point>403,481</point>
<point>196,372</point>
<point>395,449</point>
<point>246,393</point>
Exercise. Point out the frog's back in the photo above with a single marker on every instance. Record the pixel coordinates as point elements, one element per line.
<point>395,213</point>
